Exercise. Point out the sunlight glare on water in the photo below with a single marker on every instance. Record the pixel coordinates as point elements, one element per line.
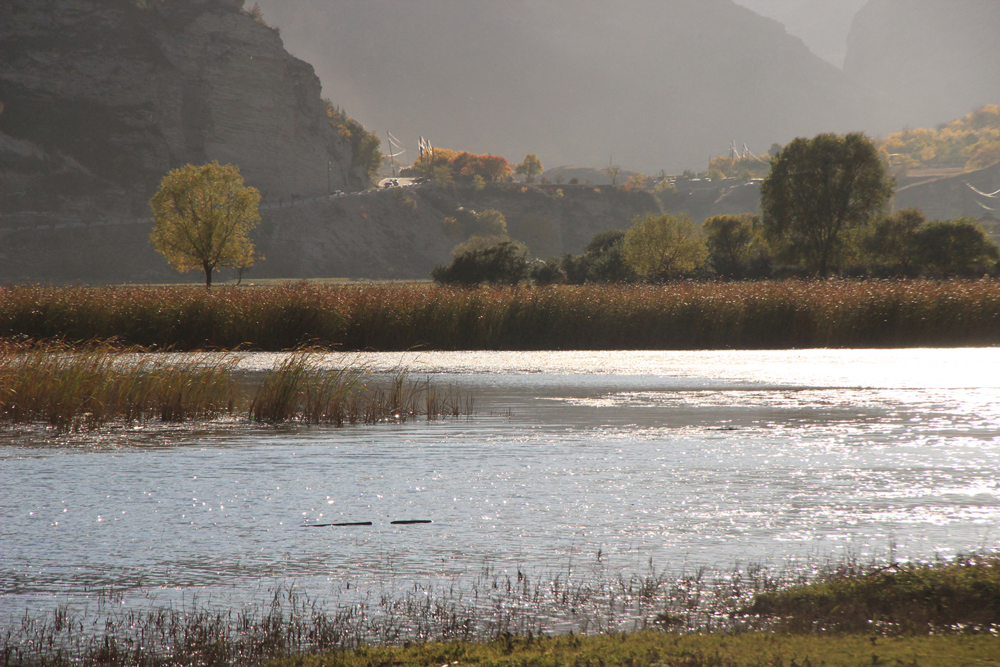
<point>680,458</point>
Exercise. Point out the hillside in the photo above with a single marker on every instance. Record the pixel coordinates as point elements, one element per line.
<point>100,98</point>
<point>936,60</point>
<point>972,142</point>
<point>650,85</point>
<point>398,233</point>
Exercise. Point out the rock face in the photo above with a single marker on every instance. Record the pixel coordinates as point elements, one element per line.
<point>937,60</point>
<point>655,84</point>
<point>822,24</point>
<point>100,98</point>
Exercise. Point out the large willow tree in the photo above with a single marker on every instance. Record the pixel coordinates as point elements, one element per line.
<point>203,215</point>
<point>819,193</point>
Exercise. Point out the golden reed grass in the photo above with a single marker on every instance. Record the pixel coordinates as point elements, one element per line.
<point>684,315</point>
<point>74,390</point>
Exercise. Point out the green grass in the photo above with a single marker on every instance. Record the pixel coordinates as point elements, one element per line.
<point>653,649</point>
<point>686,315</point>
<point>959,596</point>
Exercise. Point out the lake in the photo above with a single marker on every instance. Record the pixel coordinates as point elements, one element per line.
<point>609,462</point>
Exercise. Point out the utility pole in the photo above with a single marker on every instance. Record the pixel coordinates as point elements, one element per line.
<point>392,159</point>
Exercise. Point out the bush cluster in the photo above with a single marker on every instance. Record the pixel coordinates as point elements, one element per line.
<point>660,248</point>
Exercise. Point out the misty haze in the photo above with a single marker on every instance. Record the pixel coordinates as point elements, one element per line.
<point>551,333</point>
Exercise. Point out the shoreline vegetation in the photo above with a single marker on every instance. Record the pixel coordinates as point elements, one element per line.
<point>682,315</point>
<point>923,614</point>
<point>77,390</point>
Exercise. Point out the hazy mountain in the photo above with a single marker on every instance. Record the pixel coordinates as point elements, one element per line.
<point>937,59</point>
<point>653,83</point>
<point>822,24</point>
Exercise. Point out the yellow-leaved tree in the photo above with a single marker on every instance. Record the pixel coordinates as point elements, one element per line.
<point>665,246</point>
<point>203,215</point>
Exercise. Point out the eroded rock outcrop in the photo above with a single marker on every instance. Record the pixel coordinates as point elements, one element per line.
<point>100,98</point>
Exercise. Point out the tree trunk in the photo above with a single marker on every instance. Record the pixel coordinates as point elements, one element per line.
<point>208,276</point>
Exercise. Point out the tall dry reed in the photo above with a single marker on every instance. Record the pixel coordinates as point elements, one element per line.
<point>685,315</point>
<point>74,390</point>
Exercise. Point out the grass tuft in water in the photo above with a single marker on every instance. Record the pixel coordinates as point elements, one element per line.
<point>74,390</point>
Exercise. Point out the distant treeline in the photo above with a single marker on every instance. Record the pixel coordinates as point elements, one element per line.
<point>681,315</point>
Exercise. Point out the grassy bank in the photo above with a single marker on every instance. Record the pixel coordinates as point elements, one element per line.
<point>79,390</point>
<point>763,315</point>
<point>900,599</point>
<point>649,649</point>
<point>504,619</point>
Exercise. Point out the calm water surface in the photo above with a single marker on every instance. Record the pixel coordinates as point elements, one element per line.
<point>679,459</point>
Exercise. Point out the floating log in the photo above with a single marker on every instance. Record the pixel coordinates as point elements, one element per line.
<point>327,525</point>
<point>408,522</point>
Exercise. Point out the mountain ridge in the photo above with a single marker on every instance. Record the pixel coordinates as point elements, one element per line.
<point>651,85</point>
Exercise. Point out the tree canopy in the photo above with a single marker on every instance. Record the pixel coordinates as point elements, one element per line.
<point>530,168</point>
<point>462,165</point>
<point>819,193</point>
<point>203,215</point>
<point>730,240</point>
<point>664,246</point>
<point>972,142</point>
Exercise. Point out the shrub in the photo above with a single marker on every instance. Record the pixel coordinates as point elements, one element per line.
<point>603,261</point>
<point>503,262</point>
<point>955,248</point>
<point>547,272</point>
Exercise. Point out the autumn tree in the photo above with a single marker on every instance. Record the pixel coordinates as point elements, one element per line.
<point>463,166</point>
<point>819,194</point>
<point>664,246</point>
<point>202,217</point>
<point>365,146</point>
<point>613,171</point>
<point>530,168</point>
<point>972,141</point>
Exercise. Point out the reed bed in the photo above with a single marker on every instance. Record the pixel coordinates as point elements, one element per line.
<point>74,390</point>
<point>507,608</point>
<point>684,315</point>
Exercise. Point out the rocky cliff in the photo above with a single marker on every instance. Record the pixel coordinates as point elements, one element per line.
<point>936,60</point>
<point>822,24</point>
<point>655,84</point>
<point>100,98</point>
